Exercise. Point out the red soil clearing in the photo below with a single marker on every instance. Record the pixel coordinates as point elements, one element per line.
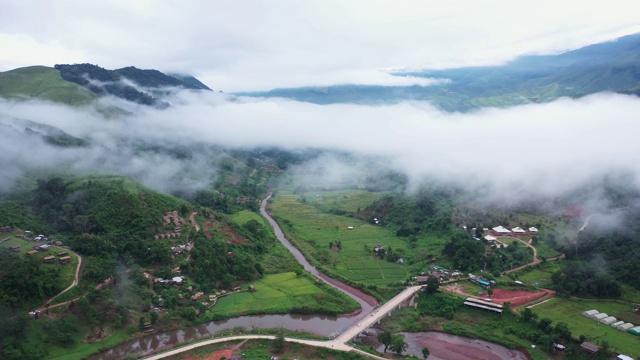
<point>516,297</point>
<point>235,238</point>
<point>216,355</point>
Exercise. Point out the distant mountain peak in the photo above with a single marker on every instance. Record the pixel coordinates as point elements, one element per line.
<point>142,86</point>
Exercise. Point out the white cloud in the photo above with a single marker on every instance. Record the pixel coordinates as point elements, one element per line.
<point>257,45</point>
<point>530,150</point>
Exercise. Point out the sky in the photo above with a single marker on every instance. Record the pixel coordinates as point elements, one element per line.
<point>518,152</point>
<point>259,45</point>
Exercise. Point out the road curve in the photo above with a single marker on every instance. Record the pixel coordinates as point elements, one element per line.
<point>337,344</point>
<point>325,344</point>
<point>75,280</point>
<point>366,302</point>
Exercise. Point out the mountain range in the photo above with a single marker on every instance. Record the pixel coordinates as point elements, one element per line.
<point>610,66</point>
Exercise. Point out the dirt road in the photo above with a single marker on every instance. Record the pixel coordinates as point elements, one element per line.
<point>75,280</point>
<point>193,220</point>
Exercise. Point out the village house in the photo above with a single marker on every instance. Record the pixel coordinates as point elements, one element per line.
<point>590,348</point>
<point>490,238</point>
<point>15,248</point>
<point>533,230</point>
<point>197,296</point>
<point>32,252</point>
<point>500,231</point>
<point>65,259</point>
<point>5,229</point>
<point>44,247</point>
<point>49,259</point>
<point>62,253</point>
<point>518,231</point>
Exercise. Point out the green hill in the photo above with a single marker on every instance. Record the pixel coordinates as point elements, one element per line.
<point>41,82</point>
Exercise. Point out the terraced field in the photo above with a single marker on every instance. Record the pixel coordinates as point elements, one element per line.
<point>313,230</point>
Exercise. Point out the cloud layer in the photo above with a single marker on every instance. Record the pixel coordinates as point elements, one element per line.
<point>531,150</point>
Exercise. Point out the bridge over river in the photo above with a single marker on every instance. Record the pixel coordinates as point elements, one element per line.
<point>339,343</point>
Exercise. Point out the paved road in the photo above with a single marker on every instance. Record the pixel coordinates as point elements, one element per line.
<point>366,301</point>
<point>336,344</point>
<point>377,314</point>
<point>324,344</point>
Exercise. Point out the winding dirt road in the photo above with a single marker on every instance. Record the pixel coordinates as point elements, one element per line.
<point>76,279</point>
<point>193,220</point>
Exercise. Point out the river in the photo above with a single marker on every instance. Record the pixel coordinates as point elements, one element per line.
<point>442,346</point>
<point>316,324</point>
<point>449,347</point>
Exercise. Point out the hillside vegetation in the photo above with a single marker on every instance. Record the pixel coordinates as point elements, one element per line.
<point>41,82</point>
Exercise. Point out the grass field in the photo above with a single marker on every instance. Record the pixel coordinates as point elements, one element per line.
<point>539,275</point>
<point>284,293</point>
<point>43,83</point>
<point>570,310</point>
<point>242,217</point>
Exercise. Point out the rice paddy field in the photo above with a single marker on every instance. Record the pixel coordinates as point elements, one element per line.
<point>312,230</point>
<point>570,310</point>
<point>283,293</point>
<point>349,201</point>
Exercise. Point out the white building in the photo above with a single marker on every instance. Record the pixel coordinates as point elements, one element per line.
<point>625,326</point>
<point>608,320</point>
<point>518,230</point>
<point>500,230</point>
<point>600,316</point>
<point>490,238</point>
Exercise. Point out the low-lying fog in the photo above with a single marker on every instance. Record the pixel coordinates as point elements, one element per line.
<point>523,151</point>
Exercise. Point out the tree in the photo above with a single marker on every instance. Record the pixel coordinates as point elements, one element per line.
<point>545,325</point>
<point>562,330</point>
<point>432,285</point>
<point>385,338</point>
<point>141,323</point>
<point>529,315</point>
<point>154,316</point>
<point>278,343</point>
<point>398,345</point>
<point>490,291</point>
<point>425,352</point>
